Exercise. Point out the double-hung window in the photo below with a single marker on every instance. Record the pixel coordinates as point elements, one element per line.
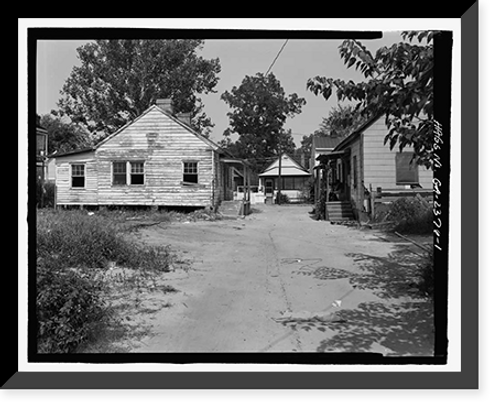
<point>78,175</point>
<point>128,173</point>
<point>119,173</point>
<point>190,172</point>
<point>137,172</point>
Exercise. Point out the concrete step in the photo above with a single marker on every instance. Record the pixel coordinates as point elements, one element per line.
<point>230,208</point>
<point>339,211</point>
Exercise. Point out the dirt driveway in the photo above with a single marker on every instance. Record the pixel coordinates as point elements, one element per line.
<point>243,274</point>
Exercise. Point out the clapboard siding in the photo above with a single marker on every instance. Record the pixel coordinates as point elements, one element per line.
<point>76,195</point>
<point>163,144</point>
<point>380,161</point>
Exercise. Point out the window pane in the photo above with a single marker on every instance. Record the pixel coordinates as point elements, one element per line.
<point>119,167</point>
<point>78,181</point>
<point>137,179</point>
<point>137,168</point>
<point>190,168</point>
<point>119,179</point>
<point>190,178</point>
<point>77,169</point>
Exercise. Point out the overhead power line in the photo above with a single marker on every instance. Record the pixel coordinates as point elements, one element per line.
<point>276,58</point>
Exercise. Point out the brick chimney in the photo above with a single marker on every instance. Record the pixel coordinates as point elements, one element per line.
<point>165,104</point>
<point>185,118</point>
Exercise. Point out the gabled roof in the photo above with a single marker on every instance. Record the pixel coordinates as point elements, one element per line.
<point>209,142</point>
<point>289,167</point>
<point>172,117</point>
<point>324,142</point>
<point>356,133</point>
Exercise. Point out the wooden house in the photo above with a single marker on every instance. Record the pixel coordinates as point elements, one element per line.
<point>362,175</point>
<point>292,175</point>
<point>156,160</point>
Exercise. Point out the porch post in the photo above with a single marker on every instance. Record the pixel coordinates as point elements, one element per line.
<point>328,172</point>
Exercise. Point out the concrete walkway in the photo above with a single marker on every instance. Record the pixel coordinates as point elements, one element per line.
<point>243,273</point>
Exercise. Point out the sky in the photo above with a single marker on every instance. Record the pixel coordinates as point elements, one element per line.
<point>298,61</point>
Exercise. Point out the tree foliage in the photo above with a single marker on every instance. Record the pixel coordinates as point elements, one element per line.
<point>63,136</point>
<point>260,109</point>
<point>342,121</point>
<point>399,85</point>
<point>119,79</point>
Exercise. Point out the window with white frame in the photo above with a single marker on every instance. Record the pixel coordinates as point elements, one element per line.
<point>190,172</point>
<point>128,173</point>
<point>78,175</point>
<point>137,172</point>
<point>119,173</point>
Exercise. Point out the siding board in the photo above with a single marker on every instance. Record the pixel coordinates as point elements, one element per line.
<point>380,161</point>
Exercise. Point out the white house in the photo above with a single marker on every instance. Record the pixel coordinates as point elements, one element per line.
<point>293,179</point>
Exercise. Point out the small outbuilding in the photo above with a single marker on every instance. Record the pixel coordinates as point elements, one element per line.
<point>294,179</point>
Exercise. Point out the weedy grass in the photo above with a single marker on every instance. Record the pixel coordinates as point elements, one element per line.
<point>71,246</point>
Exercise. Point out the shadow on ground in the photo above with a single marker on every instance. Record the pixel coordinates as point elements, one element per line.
<point>393,276</point>
<point>402,328</point>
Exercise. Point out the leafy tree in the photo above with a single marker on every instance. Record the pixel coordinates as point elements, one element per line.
<point>63,136</point>
<point>399,85</point>
<point>342,121</point>
<point>305,149</point>
<point>119,79</point>
<point>260,109</point>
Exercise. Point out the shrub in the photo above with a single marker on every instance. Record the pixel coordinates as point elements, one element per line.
<point>282,199</point>
<point>67,306</point>
<point>411,216</point>
<point>70,244</point>
<point>45,194</point>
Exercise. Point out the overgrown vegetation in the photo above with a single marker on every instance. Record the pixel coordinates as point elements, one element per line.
<point>426,273</point>
<point>72,248</point>
<point>282,198</point>
<point>45,194</point>
<point>411,216</point>
<point>407,216</point>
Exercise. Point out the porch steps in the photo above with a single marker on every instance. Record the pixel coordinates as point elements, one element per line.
<point>339,211</point>
<point>231,209</point>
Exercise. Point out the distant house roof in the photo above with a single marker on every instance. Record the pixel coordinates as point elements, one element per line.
<point>325,142</point>
<point>289,167</point>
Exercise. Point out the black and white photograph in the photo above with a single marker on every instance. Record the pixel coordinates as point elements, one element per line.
<point>203,197</point>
